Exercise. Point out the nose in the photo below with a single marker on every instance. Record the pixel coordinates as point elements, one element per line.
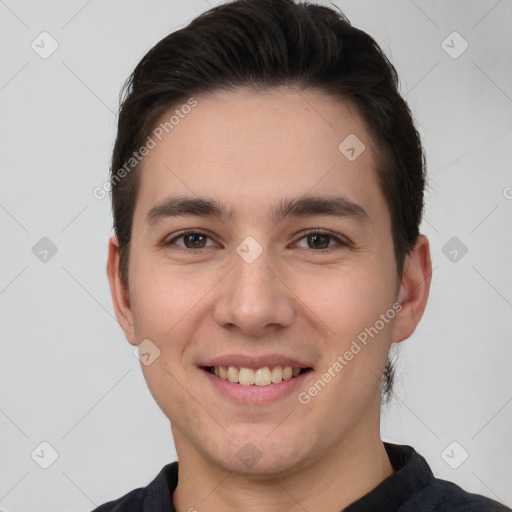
<point>254,298</point>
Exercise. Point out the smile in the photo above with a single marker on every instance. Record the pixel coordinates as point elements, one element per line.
<point>263,376</point>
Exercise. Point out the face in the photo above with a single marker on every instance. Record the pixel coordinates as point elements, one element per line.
<point>268,275</point>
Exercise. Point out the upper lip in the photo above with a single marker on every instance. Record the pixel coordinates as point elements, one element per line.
<point>242,361</point>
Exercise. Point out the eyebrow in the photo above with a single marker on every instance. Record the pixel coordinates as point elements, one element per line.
<point>304,206</point>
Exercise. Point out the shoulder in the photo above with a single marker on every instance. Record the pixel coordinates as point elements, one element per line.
<point>130,502</point>
<point>444,496</point>
<point>156,496</point>
<point>413,487</point>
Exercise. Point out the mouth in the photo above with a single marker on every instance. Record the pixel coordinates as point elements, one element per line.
<point>262,377</point>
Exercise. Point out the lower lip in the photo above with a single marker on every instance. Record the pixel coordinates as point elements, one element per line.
<point>255,394</point>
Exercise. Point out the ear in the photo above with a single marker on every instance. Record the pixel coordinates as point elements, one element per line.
<point>120,294</point>
<point>414,290</point>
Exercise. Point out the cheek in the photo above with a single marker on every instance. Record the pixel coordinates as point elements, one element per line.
<point>163,303</point>
<point>169,301</point>
<point>156,298</point>
<point>160,303</point>
<point>349,301</point>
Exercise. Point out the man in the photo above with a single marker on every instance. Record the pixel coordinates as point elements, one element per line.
<point>267,191</point>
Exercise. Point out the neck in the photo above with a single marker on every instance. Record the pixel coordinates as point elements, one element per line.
<point>330,483</point>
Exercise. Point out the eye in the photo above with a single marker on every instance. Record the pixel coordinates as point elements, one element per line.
<point>316,239</point>
<point>192,240</point>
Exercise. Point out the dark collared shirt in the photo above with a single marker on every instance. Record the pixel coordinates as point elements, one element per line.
<point>411,488</point>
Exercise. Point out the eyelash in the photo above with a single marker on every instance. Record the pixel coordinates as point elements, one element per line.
<point>310,232</point>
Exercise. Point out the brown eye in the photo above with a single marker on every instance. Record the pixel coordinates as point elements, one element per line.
<point>318,241</point>
<point>191,240</point>
<point>194,240</point>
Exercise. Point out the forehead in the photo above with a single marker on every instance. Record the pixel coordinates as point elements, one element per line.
<point>252,149</point>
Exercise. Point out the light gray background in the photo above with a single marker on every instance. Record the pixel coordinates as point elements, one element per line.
<point>69,377</point>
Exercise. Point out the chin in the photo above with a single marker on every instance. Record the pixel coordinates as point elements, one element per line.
<point>255,451</point>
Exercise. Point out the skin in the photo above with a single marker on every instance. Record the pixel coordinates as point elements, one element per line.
<point>251,150</point>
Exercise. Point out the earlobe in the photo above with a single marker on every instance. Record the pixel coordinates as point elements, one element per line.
<point>120,295</point>
<point>414,290</point>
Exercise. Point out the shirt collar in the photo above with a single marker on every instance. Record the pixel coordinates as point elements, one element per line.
<point>158,496</point>
<point>411,474</point>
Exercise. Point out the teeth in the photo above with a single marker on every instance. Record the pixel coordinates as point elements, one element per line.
<point>233,374</point>
<point>260,377</point>
<point>223,372</point>
<point>246,376</point>
<point>277,374</point>
<point>287,373</point>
